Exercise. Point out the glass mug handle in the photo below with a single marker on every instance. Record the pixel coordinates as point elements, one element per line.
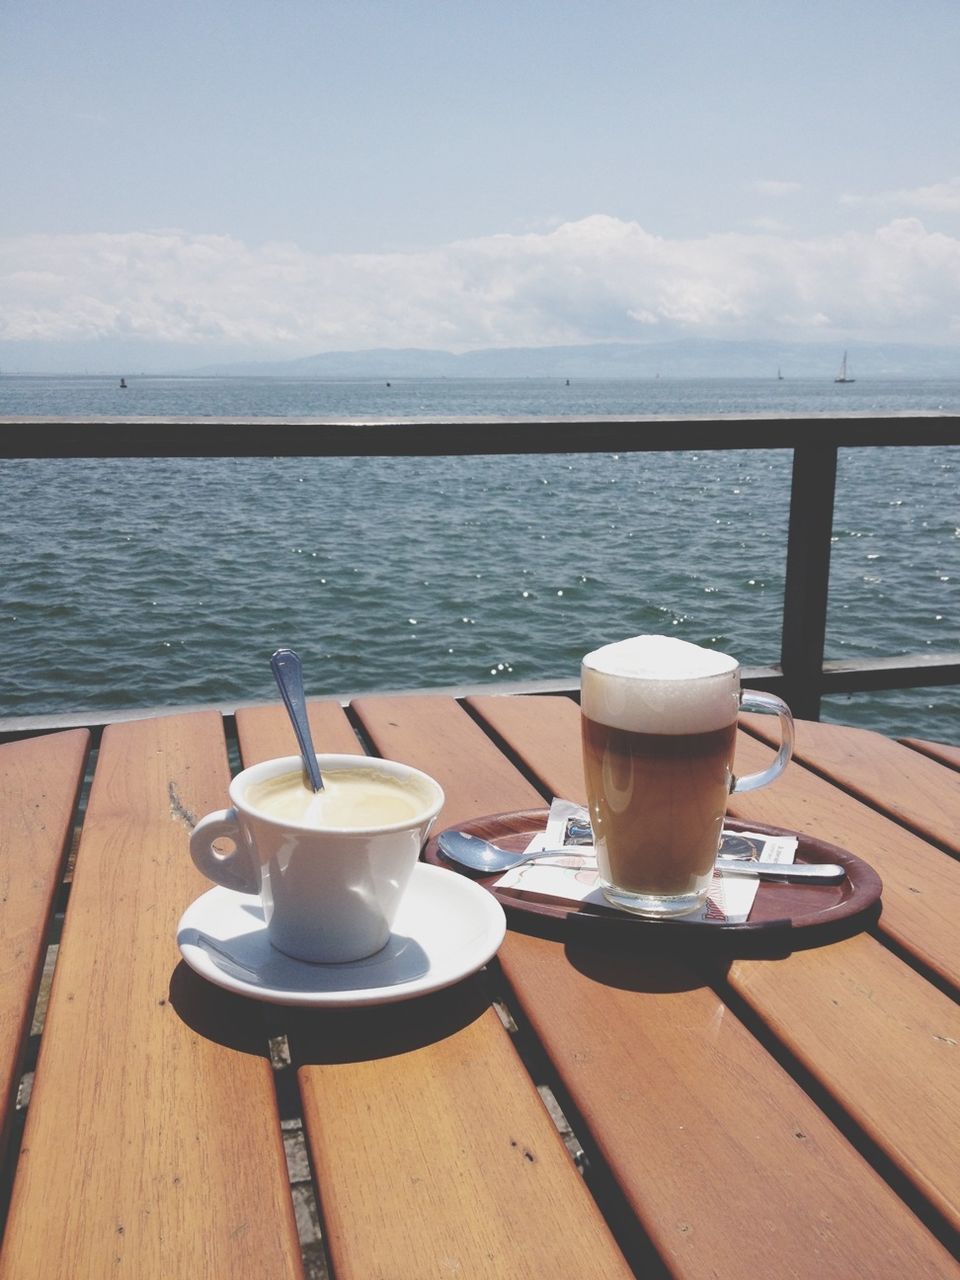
<point>752,700</point>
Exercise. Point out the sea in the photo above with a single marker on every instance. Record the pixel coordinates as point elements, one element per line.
<point>146,583</point>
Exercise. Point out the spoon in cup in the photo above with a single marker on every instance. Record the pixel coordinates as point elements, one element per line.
<point>288,672</point>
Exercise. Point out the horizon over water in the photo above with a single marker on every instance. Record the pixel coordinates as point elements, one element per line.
<point>163,582</point>
<point>76,397</point>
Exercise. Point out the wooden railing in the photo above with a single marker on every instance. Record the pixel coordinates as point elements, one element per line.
<point>801,675</point>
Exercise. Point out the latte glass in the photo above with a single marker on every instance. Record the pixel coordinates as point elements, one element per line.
<point>659,722</point>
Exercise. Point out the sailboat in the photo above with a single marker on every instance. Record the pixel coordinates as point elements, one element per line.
<point>842,375</point>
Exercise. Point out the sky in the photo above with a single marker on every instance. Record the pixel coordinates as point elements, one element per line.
<point>267,179</point>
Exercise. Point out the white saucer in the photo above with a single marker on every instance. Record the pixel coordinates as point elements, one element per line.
<point>446,928</point>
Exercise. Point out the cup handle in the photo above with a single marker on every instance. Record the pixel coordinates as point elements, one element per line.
<point>239,869</point>
<point>752,700</point>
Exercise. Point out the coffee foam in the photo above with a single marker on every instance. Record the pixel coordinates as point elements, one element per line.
<point>659,684</point>
<point>351,799</point>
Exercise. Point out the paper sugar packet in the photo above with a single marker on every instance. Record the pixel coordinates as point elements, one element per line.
<point>575,879</point>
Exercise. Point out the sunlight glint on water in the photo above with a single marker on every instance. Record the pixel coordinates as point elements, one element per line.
<point>162,582</point>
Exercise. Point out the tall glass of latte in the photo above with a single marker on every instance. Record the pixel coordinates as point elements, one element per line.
<point>659,718</point>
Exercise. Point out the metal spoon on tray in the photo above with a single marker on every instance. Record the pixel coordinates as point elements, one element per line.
<point>288,673</point>
<point>480,855</point>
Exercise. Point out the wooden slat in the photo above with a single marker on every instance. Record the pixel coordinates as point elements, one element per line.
<point>942,752</point>
<point>867,1026</point>
<point>906,785</point>
<point>921,885</point>
<point>434,1155</point>
<point>560,991</point>
<point>870,1029</point>
<point>39,782</point>
<point>265,732</point>
<point>435,735</point>
<point>869,1043</point>
<point>545,732</point>
<point>729,1165</point>
<point>152,1144</point>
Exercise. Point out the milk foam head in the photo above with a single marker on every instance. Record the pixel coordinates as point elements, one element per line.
<point>659,684</point>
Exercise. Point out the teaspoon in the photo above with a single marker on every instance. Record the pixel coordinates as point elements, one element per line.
<point>288,673</point>
<point>480,855</point>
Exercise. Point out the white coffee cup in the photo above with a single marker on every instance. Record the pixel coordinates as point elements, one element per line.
<point>329,892</point>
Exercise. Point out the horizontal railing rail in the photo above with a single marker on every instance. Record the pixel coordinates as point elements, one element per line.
<point>802,675</point>
<point>269,438</point>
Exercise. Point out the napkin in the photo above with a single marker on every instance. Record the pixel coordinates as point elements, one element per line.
<point>730,898</point>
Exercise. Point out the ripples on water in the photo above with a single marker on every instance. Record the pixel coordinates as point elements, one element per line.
<point>156,582</point>
<point>447,399</point>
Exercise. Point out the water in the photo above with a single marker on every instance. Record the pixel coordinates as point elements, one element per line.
<point>447,399</point>
<point>143,582</point>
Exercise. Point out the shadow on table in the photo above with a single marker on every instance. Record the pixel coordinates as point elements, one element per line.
<point>232,1020</point>
<point>379,1031</point>
<point>654,974</point>
<point>324,1035</point>
<point>595,939</point>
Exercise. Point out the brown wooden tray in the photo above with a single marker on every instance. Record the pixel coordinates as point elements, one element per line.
<point>777,908</point>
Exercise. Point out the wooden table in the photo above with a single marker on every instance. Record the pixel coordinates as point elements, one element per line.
<point>740,1116</point>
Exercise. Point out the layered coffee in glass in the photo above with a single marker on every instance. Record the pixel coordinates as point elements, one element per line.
<point>659,719</point>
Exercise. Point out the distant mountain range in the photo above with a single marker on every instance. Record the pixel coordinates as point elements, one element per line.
<point>682,358</point>
<point>687,358</point>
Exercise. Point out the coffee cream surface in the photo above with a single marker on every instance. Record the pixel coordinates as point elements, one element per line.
<point>351,799</point>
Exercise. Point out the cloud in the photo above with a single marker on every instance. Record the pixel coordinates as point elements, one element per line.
<point>775,187</point>
<point>774,225</point>
<point>939,197</point>
<point>599,278</point>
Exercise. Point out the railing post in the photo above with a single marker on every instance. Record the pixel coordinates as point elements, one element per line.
<point>808,576</point>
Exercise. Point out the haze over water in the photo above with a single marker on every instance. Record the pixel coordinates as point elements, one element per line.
<point>400,399</point>
<point>134,583</point>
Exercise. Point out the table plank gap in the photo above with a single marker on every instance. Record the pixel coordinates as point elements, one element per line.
<point>432,1150</point>
<point>265,732</point>
<point>944,1229</point>
<point>915,961</point>
<point>703,1131</point>
<point>299,1167</point>
<point>506,748</point>
<point>913,788</point>
<point>132,1152</point>
<point>942,752</point>
<point>868,1028</point>
<point>921,894</point>
<point>921,884</point>
<point>606,1189</point>
<point>434,733</point>
<point>40,781</point>
<point>548,735</point>
<point>791,1115</point>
